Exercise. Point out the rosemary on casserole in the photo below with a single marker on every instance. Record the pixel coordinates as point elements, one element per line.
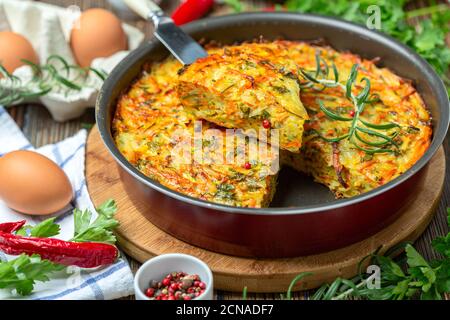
<point>55,75</point>
<point>359,129</point>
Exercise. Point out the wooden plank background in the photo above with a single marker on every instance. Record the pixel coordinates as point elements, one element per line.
<point>38,126</point>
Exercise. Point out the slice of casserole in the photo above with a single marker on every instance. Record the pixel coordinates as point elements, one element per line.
<point>251,87</point>
<point>346,170</point>
<point>166,143</point>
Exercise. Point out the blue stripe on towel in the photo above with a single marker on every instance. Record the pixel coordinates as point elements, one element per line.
<point>78,192</point>
<point>25,147</point>
<point>103,275</point>
<point>94,286</point>
<point>72,155</point>
<point>57,154</point>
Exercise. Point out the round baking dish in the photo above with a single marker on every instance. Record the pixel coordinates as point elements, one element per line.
<point>304,217</point>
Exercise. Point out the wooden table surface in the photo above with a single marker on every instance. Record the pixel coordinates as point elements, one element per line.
<point>38,126</point>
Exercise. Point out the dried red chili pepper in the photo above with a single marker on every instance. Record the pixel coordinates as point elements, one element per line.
<point>10,227</point>
<point>81,254</point>
<point>190,10</point>
<point>270,8</point>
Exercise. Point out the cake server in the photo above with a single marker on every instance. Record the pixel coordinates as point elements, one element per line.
<point>181,45</point>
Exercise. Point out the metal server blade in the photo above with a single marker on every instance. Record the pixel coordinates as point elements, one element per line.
<point>181,45</point>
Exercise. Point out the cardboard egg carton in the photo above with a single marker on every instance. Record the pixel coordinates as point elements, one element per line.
<point>48,29</point>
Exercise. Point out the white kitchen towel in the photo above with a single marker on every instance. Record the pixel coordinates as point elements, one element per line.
<point>110,282</point>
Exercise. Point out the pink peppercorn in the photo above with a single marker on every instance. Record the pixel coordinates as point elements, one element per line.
<point>176,286</point>
<point>150,292</point>
<point>266,124</point>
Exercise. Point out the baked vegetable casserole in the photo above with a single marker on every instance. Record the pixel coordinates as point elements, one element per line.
<point>220,128</point>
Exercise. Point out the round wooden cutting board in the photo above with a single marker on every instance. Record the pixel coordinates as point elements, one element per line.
<point>142,240</point>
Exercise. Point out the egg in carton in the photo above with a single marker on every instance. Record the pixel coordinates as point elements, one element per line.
<point>50,30</point>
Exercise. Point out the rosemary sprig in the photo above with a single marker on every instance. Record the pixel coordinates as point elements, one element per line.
<point>381,142</point>
<point>16,91</point>
<point>56,75</point>
<point>410,277</point>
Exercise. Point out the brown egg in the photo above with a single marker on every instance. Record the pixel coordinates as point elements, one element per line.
<point>97,33</point>
<point>13,48</point>
<point>33,184</point>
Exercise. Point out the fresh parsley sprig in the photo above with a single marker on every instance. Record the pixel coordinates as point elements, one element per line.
<point>46,229</point>
<point>85,230</point>
<point>101,229</point>
<point>23,272</point>
<point>237,5</point>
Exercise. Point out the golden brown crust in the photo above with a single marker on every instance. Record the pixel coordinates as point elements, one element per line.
<point>251,87</point>
<point>154,133</point>
<point>150,112</point>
